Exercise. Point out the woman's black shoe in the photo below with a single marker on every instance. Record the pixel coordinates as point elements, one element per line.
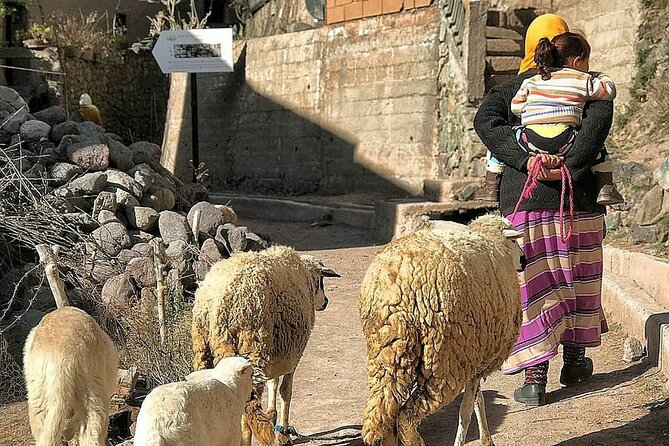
<point>531,394</point>
<point>573,374</point>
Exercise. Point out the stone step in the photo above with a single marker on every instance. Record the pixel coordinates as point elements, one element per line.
<point>504,47</point>
<point>492,80</point>
<point>447,190</point>
<point>496,32</point>
<point>502,64</point>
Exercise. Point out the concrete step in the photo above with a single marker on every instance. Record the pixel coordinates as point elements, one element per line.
<point>492,80</point>
<point>496,32</point>
<point>282,209</point>
<point>650,273</point>
<point>640,316</point>
<point>449,190</point>
<point>502,64</point>
<point>504,47</point>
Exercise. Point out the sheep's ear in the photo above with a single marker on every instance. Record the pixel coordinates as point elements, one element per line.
<point>512,234</point>
<point>329,272</point>
<point>247,370</point>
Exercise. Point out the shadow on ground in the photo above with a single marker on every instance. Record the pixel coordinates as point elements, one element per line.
<point>641,432</point>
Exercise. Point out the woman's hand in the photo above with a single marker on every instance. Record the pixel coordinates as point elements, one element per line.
<point>550,161</point>
<point>546,173</point>
<point>550,175</point>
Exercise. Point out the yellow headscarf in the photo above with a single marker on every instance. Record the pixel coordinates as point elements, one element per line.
<point>546,25</point>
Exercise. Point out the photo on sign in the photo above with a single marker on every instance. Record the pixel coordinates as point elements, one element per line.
<point>196,50</point>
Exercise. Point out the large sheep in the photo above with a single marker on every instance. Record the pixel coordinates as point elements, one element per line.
<point>260,305</point>
<point>71,372</point>
<point>205,410</point>
<point>440,310</point>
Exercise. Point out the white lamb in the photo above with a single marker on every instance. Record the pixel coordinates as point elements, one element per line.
<point>440,310</point>
<point>205,410</point>
<point>260,305</point>
<point>71,372</point>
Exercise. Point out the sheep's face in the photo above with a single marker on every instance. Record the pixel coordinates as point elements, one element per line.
<point>490,226</point>
<point>511,237</point>
<point>235,370</point>
<point>318,284</point>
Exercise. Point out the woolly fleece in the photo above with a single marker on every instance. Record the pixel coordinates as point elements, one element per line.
<point>438,309</point>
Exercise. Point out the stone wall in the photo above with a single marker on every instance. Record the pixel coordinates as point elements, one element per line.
<point>611,27</point>
<point>278,17</point>
<point>131,93</point>
<point>332,110</point>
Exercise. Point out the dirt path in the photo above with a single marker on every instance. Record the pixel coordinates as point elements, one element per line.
<point>621,405</point>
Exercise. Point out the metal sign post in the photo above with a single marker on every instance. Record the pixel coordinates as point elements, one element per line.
<point>194,51</point>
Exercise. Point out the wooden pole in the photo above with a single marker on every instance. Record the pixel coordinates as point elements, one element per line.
<point>49,258</point>
<point>160,291</point>
<point>197,216</point>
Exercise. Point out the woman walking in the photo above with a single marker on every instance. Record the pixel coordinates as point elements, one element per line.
<point>561,285</point>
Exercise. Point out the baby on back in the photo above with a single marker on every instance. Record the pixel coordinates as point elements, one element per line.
<point>204,410</point>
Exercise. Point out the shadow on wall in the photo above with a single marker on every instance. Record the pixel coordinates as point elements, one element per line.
<point>253,144</point>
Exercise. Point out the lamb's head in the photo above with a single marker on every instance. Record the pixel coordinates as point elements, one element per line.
<point>318,272</point>
<point>499,229</point>
<point>234,371</point>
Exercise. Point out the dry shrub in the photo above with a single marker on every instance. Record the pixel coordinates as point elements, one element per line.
<point>141,344</point>
<point>82,31</point>
<point>12,385</point>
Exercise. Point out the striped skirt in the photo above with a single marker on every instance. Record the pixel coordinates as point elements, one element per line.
<point>560,287</point>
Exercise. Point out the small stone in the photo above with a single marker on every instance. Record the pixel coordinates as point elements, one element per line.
<point>60,130</point>
<point>143,174</point>
<point>126,255</point>
<point>141,269</point>
<point>105,201</point>
<point>173,226</point>
<point>210,217</point>
<point>138,236</point>
<point>144,152</point>
<point>633,350</point>
<point>661,174</point>
<point>254,242</point>
<point>13,124</point>
<point>124,181</point>
<point>65,143</point>
<point>229,214</point>
<point>201,268</point>
<point>209,252</point>
<point>82,220</point>
<point>105,216</point>
<point>90,156</point>
<point>34,130</point>
<point>103,269</point>
<point>88,184</point>
<point>237,238</point>
<point>90,131</point>
<point>613,220</point>
<point>650,206</point>
<point>179,254</point>
<point>119,155</point>
<point>112,238</point>
<point>648,234</point>
<point>140,217</point>
<point>160,198</point>
<point>123,198</point>
<point>118,291</point>
<point>143,249</point>
<point>53,115</point>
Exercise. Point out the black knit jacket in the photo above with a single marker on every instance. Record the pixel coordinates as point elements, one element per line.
<point>493,123</point>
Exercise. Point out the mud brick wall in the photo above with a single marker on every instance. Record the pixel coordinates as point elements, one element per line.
<point>345,10</point>
<point>327,111</point>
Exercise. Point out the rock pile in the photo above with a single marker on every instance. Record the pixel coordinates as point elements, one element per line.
<point>123,199</point>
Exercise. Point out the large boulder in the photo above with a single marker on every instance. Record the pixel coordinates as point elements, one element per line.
<point>144,152</point>
<point>90,131</point>
<point>90,156</point>
<point>34,130</point>
<point>210,252</point>
<point>105,201</point>
<point>15,121</point>
<point>53,115</point>
<point>112,238</point>
<point>173,226</point>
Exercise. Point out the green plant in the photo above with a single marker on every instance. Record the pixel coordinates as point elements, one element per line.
<point>41,32</point>
<point>9,7</point>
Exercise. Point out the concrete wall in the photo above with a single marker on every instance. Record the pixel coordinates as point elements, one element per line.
<point>611,28</point>
<point>337,109</point>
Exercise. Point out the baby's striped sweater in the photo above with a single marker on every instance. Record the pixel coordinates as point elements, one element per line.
<point>560,99</point>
